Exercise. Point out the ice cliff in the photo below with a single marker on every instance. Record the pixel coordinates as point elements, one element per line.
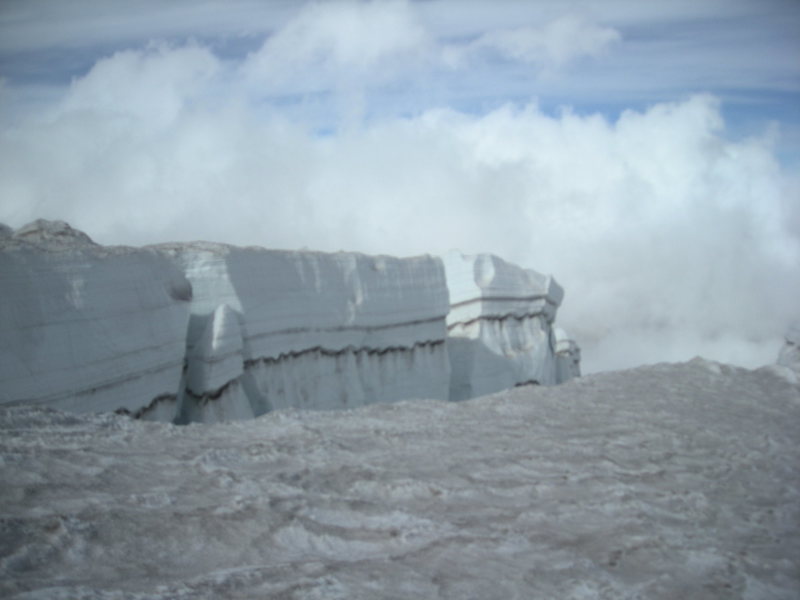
<point>211,332</point>
<point>274,329</point>
<point>500,331</point>
<point>85,327</point>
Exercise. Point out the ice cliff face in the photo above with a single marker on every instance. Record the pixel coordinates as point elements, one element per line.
<point>210,332</point>
<point>85,327</point>
<point>500,331</point>
<point>273,329</point>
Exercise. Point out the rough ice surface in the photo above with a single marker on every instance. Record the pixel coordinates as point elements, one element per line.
<point>85,327</point>
<point>210,332</point>
<point>500,330</point>
<point>664,482</point>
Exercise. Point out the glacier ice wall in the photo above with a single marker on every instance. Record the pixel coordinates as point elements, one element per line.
<point>274,329</point>
<point>85,327</point>
<point>500,327</point>
<point>210,332</point>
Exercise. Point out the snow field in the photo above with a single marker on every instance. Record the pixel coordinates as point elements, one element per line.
<point>661,482</point>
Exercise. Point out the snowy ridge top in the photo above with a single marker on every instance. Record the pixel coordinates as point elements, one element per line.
<point>58,237</point>
<point>55,235</point>
<point>45,234</point>
<point>222,249</point>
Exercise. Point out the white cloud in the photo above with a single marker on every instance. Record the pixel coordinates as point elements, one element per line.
<point>660,227</point>
<point>672,236</point>
<point>553,45</point>
<point>329,42</point>
<point>153,85</point>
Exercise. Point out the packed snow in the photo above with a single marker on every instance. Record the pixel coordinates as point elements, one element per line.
<point>203,332</point>
<point>663,482</point>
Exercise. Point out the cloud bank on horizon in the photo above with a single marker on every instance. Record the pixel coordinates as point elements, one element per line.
<point>646,154</point>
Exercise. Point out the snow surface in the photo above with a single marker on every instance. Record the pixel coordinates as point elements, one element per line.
<point>664,482</point>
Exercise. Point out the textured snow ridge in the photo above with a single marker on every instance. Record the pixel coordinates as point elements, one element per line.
<point>500,327</point>
<point>664,482</point>
<point>85,327</point>
<point>210,332</point>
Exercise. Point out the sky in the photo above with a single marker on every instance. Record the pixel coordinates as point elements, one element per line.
<point>647,154</point>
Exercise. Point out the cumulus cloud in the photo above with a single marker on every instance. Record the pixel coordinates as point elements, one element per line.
<point>672,236</point>
<point>327,42</point>
<point>153,85</point>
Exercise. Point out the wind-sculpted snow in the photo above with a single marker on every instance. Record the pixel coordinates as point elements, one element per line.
<point>85,327</point>
<point>209,332</point>
<point>500,330</point>
<point>673,481</point>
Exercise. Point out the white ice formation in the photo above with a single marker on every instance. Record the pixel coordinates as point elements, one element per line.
<point>85,327</point>
<point>790,353</point>
<point>210,332</point>
<point>500,327</point>
<point>275,329</point>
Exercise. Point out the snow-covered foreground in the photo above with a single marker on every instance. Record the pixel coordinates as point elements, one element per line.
<point>672,481</point>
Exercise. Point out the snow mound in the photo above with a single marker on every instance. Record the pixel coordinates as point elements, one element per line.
<point>51,235</point>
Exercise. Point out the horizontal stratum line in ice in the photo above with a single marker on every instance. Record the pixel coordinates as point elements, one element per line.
<point>209,332</point>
